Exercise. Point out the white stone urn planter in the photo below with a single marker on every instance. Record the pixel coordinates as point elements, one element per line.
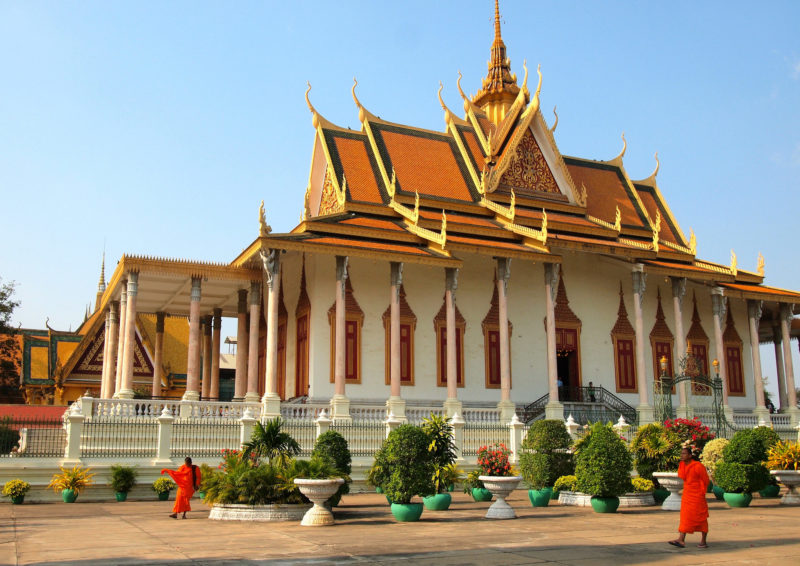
<point>259,513</point>
<point>791,479</point>
<point>318,491</point>
<point>501,487</point>
<point>671,482</point>
<point>578,499</point>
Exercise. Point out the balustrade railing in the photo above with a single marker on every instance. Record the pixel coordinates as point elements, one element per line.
<point>129,437</point>
<point>364,438</point>
<point>32,437</point>
<point>304,431</point>
<point>305,411</point>
<point>204,437</point>
<point>477,434</point>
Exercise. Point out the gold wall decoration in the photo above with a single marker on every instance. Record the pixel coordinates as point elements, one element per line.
<point>331,201</point>
<point>529,169</point>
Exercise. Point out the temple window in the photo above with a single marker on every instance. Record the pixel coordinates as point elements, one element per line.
<point>354,320</point>
<point>408,324</point>
<point>440,327</point>
<point>732,344</point>
<point>623,337</point>
<point>491,341</point>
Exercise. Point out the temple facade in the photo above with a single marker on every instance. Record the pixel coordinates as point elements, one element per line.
<point>474,266</point>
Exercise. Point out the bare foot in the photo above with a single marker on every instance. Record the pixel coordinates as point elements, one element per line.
<point>702,545</point>
<point>174,515</point>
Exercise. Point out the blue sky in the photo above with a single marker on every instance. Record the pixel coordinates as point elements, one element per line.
<point>158,127</point>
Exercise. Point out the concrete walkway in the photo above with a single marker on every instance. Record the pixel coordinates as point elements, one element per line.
<point>139,532</point>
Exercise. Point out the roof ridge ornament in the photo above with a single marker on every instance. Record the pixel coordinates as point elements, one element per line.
<point>656,231</point>
<point>555,124</point>
<point>618,159</point>
<point>734,264</point>
<point>314,113</point>
<point>692,242</point>
<point>760,268</point>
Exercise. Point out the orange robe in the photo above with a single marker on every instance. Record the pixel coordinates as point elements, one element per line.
<point>183,479</point>
<point>694,508</point>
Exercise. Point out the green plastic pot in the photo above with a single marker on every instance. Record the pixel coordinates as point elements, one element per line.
<point>719,493</point>
<point>69,495</point>
<point>481,494</point>
<point>407,512</point>
<point>660,494</point>
<point>121,495</point>
<point>438,502</point>
<point>604,504</point>
<point>738,499</point>
<point>163,496</point>
<point>451,487</point>
<point>18,499</point>
<point>389,501</point>
<point>201,494</point>
<point>540,497</point>
<point>770,492</point>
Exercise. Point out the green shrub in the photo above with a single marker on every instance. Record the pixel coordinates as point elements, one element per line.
<point>163,485</point>
<point>603,464</point>
<point>565,483</point>
<point>8,436</point>
<point>544,456</point>
<point>734,477</point>
<point>472,481</point>
<point>442,449</point>
<point>748,446</point>
<point>712,455</point>
<point>655,449</point>
<point>409,467</point>
<point>379,471</point>
<point>333,445</point>
<point>123,478</point>
<point>642,485</point>
<point>768,436</point>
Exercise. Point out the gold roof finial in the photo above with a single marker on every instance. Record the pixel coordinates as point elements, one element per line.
<point>555,124</point>
<point>734,264</point>
<point>760,268</point>
<point>624,149</point>
<point>314,114</point>
<point>500,84</point>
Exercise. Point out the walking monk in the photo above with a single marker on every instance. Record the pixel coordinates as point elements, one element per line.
<point>694,508</point>
<point>187,478</point>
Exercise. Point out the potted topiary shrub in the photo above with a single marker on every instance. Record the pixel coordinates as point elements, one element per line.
<point>499,477</point>
<point>711,456</point>
<point>333,445</point>
<point>442,450</point>
<point>71,482</point>
<point>545,457</point>
<point>742,471</point>
<point>656,449</point>
<point>123,478</point>
<point>16,490</point>
<point>408,469</point>
<point>603,467</point>
<point>783,461</point>
<point>770,438</point>
<point>162,487</point>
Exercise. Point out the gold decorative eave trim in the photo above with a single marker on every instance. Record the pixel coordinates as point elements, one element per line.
<point>579,196</point>
<point>596,248</point>
<point>637,244</point>
<point>440,238</point>
<point>765,295</point>
<point>678,271</point>
<point>677,247</point>
<point>355,230</point>
<point>530,254</point>
<point>616,226</point>
<point>721,269</point>
<point>308,246</point>
<point>189,268</point>
<point>525,231</point>
<point>410,215</point>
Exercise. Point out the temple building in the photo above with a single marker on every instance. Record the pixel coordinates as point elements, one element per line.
<point>475,266</point>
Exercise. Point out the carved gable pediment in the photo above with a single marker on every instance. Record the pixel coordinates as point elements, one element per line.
<point>528,171</point>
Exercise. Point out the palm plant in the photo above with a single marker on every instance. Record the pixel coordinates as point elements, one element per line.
<point>268,441</point>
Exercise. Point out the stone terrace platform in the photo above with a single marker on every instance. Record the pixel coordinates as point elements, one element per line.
<point>139,532</point>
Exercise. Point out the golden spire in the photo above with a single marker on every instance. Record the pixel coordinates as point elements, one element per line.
<point>101,284</point>
<point>499,88</point>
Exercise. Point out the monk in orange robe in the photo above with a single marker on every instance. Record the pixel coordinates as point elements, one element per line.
<point>187,478</point>
<point>694,507</point>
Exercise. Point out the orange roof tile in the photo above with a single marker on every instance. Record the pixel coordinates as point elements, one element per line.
<point>648,198</point>
<point>485,242</point>
<point>605,191</point>
<point>760,289</point>
<point>457,219</point>
<point>474,148</point>
<point>357,169</point>
<point>372,223</point>
<point>425,163</point>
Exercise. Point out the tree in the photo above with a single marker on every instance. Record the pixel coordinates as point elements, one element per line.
<point>9,347</point>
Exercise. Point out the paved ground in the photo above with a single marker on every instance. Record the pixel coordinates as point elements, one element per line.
<point>141,533</point>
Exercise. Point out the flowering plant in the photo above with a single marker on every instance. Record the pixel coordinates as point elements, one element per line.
<point>692,430</point>
<point>15,488</point>
<point>493,460</point>
<point>163,485</point>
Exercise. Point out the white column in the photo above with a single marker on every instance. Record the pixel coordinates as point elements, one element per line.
<point>678,292</point>
<point>718,309</point>
<point>552,271</point>
<point>106,357</point>
<point>506,406</point>
<point>340,404</point>
<point>213,392</point>
<point>754,309</point>
<point>113,345</point>
<point>645,409</point>
<point>123,312</point>
<point>452,405</point>
<point>787,315</point>
<point>192,392</point>
<point>206,379</point>
<point>242,339</point>
<point>779,366</point>
<point>126,391</point>
<point>158,362</point>
<point>252,395</point>
<point>272,267</point>
<point>395,403</point>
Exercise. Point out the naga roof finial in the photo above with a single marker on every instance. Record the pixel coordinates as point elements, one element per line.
<point>555,124</point>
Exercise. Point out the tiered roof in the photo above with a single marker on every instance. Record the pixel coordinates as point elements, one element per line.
<point>494,183</point>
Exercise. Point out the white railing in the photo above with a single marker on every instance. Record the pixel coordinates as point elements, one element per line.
<point>416,415</point>
<point>783,421</point>
<point>744,420</point>
<point>370,413</point>
<point>144,408</point>
<point>481,415</point>
<point>217,409</point>
<point>300,412</point>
